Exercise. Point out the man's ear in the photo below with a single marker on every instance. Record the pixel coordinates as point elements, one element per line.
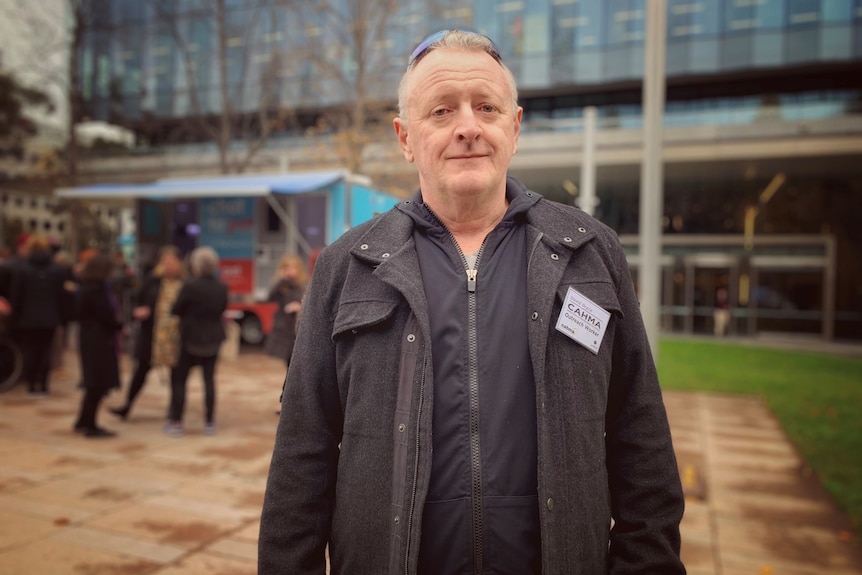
<point>518,116</point>
<point>401,131</point>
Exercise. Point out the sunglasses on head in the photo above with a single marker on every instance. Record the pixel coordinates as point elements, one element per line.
<point>425,46</point>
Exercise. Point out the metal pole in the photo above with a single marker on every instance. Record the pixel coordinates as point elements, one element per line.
<point>587,199</point>
<point>652,192</point>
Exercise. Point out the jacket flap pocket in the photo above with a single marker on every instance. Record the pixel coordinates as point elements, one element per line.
<point>600,292</point>
<point>355,315</point>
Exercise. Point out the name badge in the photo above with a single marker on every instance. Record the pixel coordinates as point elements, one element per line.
<point>583,320</point>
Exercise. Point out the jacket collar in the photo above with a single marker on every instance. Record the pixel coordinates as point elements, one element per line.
<point>391,234</point>
<point>562,226</point>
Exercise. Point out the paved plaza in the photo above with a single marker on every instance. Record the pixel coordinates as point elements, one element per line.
<point>147,504</point>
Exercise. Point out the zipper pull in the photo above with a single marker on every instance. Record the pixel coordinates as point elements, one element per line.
<point>471,280</point>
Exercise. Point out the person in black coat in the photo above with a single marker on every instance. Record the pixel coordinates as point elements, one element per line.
<point>200,306</point>
<point>157,290</point>
<point>39,303</point>
<point>99,340</point>
<point>5,283</point>
<point>287,293</point>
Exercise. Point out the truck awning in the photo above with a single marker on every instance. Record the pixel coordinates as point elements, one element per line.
<point>230,186</point>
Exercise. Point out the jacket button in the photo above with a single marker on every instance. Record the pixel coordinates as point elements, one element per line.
<point>555,257</point>
<point>386,255</point>
<point>550,504</point>
<point>535,316</point>
<point>363,247</point>
<point>582,230</point>
<point>567,239</point>
<point>411,338</point>
<point>401,427</point>
<point>397,520</point>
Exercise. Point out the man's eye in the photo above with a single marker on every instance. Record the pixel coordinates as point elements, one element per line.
<point>439,112</point>
<point>488,108</point>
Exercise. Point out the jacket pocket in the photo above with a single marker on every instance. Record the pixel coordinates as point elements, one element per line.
<point>354,316</point>
<point>581,378</point>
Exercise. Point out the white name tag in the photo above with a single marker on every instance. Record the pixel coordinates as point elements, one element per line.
<point>583,320</point>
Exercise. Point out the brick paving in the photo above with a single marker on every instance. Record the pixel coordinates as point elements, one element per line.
<point>147,504</point>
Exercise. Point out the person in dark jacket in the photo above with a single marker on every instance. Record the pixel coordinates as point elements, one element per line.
<point>158,292</point>
<point>5,281</point>
<point>472,388</point>
<point>99,340</point>
<point>200,306</point>
<point>287,293</point>
<point>39,305</point>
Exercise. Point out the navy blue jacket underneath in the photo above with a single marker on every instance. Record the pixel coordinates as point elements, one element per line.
<point>507,402</point>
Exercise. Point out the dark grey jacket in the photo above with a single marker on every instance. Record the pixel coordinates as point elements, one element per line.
<point>200,305</point>
<point>352,461</point>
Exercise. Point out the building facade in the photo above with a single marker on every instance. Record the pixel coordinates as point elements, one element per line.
<point>762,129</point>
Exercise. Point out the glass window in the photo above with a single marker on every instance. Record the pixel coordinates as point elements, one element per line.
<point>536,28</point>
<point>836,10</point>
<point>626,21</point>
<point>802,44</point>
<point>510,16</point>
<point>589,32</point>
<point>769,13</point>
<point>739,16</point>
<point>803,12</point>
<point>689,18</point>
<point>564,21</point>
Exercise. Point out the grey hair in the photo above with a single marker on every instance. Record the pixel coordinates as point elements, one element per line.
<point>459,40</point>
<point>204,261</point>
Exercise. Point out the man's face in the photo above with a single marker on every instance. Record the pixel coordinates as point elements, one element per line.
<point>461,128</point>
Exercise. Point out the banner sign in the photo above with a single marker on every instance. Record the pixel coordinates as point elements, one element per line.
<point>227,226</point>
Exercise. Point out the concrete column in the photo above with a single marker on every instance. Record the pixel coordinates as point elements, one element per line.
<point>652,180</point>
<point>587,200</point>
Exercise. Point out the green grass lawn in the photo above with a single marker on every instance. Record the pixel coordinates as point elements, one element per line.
<point>816,397</point>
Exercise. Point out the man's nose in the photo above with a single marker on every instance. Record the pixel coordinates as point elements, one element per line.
<point>468,127</point>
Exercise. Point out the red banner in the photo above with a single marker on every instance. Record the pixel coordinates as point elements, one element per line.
<point>238,275</point>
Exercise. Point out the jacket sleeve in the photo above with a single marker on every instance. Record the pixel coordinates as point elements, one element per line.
<point>646,495</point>
<point>298,505</point>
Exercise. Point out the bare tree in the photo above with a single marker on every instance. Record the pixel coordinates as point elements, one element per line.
<point>15,125</point>
<point>247,74</point>
<point>349,50</point>
<point>53,32</point>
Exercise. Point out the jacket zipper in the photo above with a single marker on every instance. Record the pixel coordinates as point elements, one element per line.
<point>473,388</point>
<point>473,380</point>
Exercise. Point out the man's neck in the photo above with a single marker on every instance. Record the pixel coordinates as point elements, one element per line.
<point>469,222</point>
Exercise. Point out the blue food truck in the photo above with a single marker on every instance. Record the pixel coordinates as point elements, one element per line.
<point>250,220</point>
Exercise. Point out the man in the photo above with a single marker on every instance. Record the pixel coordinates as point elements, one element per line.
<point>471,390</point>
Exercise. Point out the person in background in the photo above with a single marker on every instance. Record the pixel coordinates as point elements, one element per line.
<point>5,280</point>
<point>287,292</point>
<point>200,306</point>
<point>58,346</point>
<point>21,248</point>
<point>123,284</point>
<point>158,331</point>
<point>98,342</point>
<point>472,388</point>
<point>721,312</point>
<point>39,305</point>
